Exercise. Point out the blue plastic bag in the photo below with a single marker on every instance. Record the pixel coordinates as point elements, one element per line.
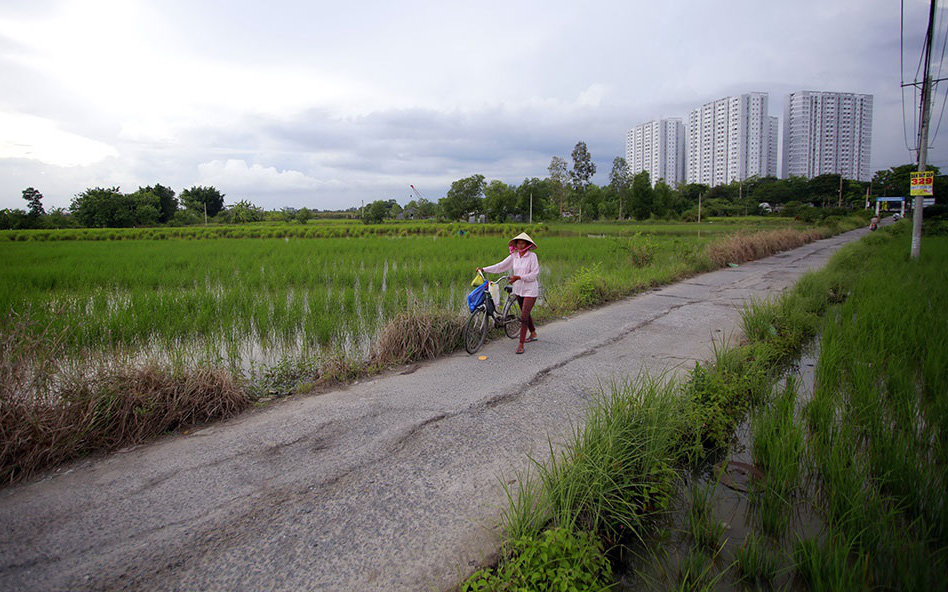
<point>477,295</point>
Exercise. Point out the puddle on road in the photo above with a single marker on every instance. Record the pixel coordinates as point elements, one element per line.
<point>670,553</point>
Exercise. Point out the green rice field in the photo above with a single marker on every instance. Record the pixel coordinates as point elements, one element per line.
<point>235,301</point>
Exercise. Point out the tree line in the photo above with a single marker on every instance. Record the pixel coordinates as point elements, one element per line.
<point>566,193</point>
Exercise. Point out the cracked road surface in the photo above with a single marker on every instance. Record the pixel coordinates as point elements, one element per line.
<point>395,483</point>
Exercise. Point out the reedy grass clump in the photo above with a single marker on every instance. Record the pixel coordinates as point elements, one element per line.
<point>418,335</point>
<point>619,469</point>
<point>50,414</point>
<point>740,248</point>
<point>608,484</point>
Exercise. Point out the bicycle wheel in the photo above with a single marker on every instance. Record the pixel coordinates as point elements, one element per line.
<point>476,330</point>
<point>511,317</point>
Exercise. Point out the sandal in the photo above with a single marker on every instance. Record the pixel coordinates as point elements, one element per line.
<point>519,349</point>
<point>531,339</point>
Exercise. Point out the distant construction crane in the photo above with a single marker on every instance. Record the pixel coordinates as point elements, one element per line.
<point>417,193</point>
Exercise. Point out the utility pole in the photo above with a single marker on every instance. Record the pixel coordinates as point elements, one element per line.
<point>919,201</point>
<point>531,207</point>
<point>840,191</point>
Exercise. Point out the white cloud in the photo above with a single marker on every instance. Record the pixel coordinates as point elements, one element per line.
<point>237,175</point>
<point>37,138</point>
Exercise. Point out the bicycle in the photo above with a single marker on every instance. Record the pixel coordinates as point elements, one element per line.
<point>475,331</point>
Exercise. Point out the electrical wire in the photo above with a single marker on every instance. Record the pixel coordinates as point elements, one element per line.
<point>938,78</point>
<point>902,70</point>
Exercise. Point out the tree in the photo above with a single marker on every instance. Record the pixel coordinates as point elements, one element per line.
<point>500,201</point>
<point>464,197</point>
<point>540,193</point>
<point>243,212</point>
<point>14,219</point>
<point>896,182</point>
<point>663,201</point>
<point>35,200</point>
<point>303,215</point>
<point>642,199</point>
<point>426,209</point>
<point>104,208</point>
<point>619,184</point>
<point>559,176</point>
<point>619,176</point>
<point>375,212</point>
<point>824,189</point>
<point>167,203</point>
<point>583,169</point>
<point>394,209</point>
<point>591,204</point>
<point>197,197</point>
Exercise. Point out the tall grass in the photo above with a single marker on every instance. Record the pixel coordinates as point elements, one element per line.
<point>50,414</point>
<point>608,484</point>
<point>879,417</point>
<point>617,470</point>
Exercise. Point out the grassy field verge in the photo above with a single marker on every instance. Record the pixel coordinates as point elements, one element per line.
<point>274,317</point>
<point>865,459</point>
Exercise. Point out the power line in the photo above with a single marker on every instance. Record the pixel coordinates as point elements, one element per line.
<point>902,70</point>
<point>938,78</point>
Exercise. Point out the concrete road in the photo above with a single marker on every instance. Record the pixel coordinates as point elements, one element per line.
<point>390,484</point>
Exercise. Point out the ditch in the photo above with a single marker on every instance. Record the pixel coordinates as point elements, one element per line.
<point>714,520</point>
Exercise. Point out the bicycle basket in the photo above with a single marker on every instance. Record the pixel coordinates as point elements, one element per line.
<point>476,297</point>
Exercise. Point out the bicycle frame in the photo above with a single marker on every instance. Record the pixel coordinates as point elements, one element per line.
<point>500,314</point>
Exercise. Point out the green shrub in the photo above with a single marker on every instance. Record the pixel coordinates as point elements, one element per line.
<point>557,559</point>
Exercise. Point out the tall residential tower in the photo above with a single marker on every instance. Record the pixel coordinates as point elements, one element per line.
<point>827,133</point>
<point>731,139</point>
<point>659,148</point>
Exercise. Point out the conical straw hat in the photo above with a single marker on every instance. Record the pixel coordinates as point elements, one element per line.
<point>522,236</point>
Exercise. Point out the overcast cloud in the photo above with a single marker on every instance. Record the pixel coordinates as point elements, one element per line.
<point>326,104</point>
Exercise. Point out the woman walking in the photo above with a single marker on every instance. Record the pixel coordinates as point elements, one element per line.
<point>525,271</point>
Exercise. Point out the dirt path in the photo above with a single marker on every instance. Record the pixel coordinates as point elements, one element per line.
<point>390,484</point>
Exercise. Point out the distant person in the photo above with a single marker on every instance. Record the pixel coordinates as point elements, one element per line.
<point>525,272</point>
<point>874,223</point>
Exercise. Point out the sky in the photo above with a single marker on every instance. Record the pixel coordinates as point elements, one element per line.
<point>330,104</point>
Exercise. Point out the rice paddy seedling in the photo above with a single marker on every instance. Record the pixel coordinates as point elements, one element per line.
<point>778,442</point>
<point>773,510</point>
<point>706,529</point>
<point>836,565</point>
<point>696,572</point>
<point>756,562</point>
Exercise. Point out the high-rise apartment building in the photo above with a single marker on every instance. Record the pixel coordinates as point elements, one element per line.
<point>731,139</point>
<point>659,148</point>
<point>827,133</point>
